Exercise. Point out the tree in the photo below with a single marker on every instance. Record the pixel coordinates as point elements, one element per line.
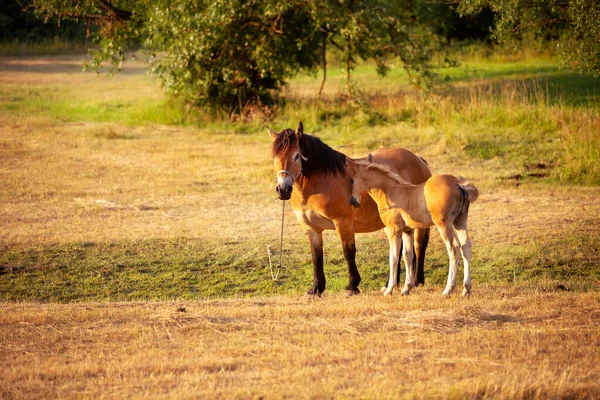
<point>576,23</point>
<point>375,29</point>
<point>449,25</point>
<point>225,53</point>
<point>233,54</point>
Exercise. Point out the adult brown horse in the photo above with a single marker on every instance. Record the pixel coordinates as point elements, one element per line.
<point>315,179</point>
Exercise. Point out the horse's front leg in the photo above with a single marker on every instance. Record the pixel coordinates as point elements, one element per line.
<point>395,244</point>
<point>421,241</point>
<point>345,230</point>
<point>408,256</point>
<point>316,249</point>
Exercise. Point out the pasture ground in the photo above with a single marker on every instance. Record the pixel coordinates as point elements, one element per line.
<point>116,210</point>
<point>506,342</point>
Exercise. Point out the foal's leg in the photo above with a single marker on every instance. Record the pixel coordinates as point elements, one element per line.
<point>395,244</point>
<point>408,256</point>
<point>384,288</point>
<point>453,248</point>
<point>465,247</point>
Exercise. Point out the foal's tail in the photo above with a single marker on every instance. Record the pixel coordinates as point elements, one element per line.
<point>470,191</point>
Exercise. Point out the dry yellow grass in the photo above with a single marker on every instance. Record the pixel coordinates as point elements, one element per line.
<point>507,342</point>
<point>91,182</point>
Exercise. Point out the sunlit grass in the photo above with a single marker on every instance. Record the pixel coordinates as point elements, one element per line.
<point>506,342</point>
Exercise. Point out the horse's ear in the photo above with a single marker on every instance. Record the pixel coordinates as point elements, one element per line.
<point>299,131</point>
<point>272,133</point>
<point>350,164</point>
<point>370,158</point>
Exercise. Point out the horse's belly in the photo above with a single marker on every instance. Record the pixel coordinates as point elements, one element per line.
<point>314,220</point>
<point>366,218</point>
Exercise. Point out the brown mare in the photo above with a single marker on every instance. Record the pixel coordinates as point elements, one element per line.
<point>443,201</point>
<point>315,179</point>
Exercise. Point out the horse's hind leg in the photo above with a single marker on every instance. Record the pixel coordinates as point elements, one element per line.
<point>460,224</point>
<point>453,248</point>
<point>387,281</point>
<point>421,241</point>
<point>408,256</point>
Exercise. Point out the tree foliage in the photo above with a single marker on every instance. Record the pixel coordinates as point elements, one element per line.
<point>16,25</point>
<point>576,24</point>
<point>235,53</point>
<point>230,52</point>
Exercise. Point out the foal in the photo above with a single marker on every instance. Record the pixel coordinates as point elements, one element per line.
<point>443,201</point>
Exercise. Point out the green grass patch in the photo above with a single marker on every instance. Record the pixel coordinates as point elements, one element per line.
<point>188,269</point>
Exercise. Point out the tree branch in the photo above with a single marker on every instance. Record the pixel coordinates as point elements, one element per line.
<point>116,13</point>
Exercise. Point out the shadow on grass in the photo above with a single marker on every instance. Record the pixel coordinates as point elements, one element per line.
<point>191,269</point>
<point>552,85</point>
<point>154,269</point>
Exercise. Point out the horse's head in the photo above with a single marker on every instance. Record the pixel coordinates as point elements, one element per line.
<point>359,184</point>
<point>287,159</point>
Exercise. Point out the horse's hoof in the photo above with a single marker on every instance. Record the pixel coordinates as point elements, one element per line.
<point>446,293</point>
<point>314,292</point>
<point>406,290</point>
<point>383,289</point>
<point>388,292</point>
<point>352,292</point>
<point>466,292</point>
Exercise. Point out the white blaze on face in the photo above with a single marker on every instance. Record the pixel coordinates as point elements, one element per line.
<point>284,180</point>
<point>286,177</point>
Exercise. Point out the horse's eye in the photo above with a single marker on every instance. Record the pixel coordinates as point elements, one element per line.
<point>297,156</point>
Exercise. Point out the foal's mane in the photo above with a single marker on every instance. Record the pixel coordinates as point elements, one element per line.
<point>320,158</point>
<point>383,170</point>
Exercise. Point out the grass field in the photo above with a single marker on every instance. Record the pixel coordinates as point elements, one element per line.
<point>125,208</point>
<point>507,342</point>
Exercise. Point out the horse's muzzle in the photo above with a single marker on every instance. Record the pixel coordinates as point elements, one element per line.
<point>284,193</point>
<point>354,202</point>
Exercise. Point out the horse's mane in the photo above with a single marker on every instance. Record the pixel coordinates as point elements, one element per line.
<point>384,170</point>
<point>320,157</point>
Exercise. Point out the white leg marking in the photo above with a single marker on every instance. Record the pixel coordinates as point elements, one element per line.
<point>465,249</point>
<point>453,248</point>
<point>408,253</point>
<point>394,241</point>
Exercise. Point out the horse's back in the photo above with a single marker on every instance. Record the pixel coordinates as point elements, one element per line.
<point>401,161</point>
<point>405,163</point>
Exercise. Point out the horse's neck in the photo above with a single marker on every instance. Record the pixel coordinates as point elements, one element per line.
<point>403,194</point>
<point>380,180</point>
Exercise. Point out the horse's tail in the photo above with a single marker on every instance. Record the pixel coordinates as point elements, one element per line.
<point>470,191</point>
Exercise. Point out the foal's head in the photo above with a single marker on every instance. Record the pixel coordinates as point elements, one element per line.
<point>357,171</point>
<point>287,158</point>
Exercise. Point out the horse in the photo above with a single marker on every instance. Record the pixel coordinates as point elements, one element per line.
<point>443,200</point>
<point>314,178</point>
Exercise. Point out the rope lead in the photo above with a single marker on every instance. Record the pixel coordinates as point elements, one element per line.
<point>273,275</point>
